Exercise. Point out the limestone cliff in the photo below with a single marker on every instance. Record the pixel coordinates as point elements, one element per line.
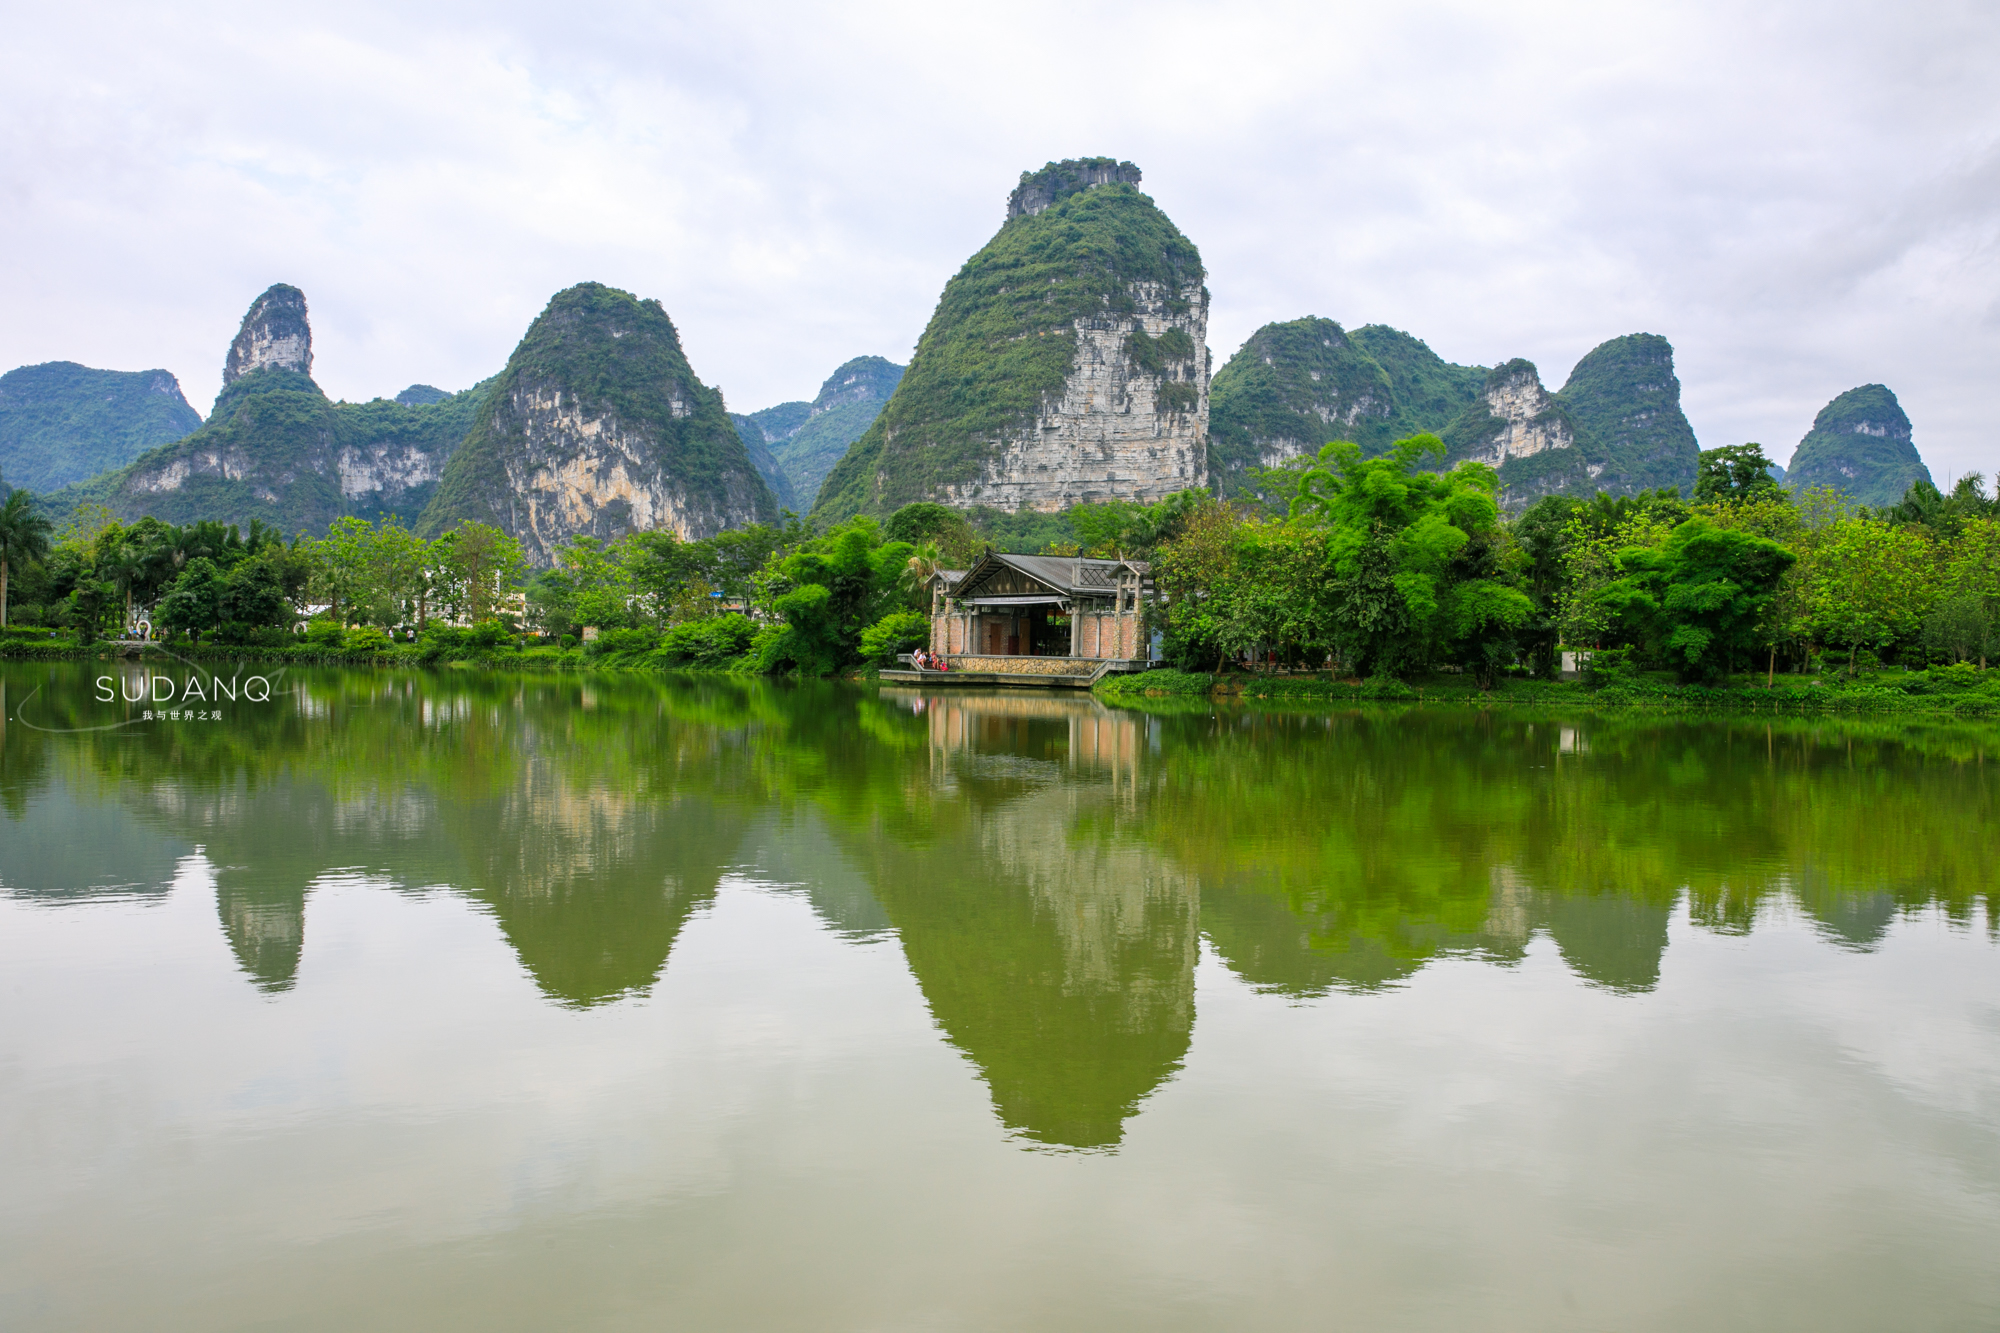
<point>598,426</point>
<point>1525,433</point>
<point>803,440</point>
<point>61,423</point>
<point>1066,362</point>
<point>275,333</point>
<point>276,450</point>
<point>1860,445</point>
<point>1296,386</point>
<point>1615,426</point>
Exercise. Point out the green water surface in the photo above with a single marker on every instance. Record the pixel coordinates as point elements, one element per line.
<point>461,1000</point>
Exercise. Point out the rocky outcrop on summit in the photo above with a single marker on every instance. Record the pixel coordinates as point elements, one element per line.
<point>1860,445</point>
<point>1615,426</point>
<point>1066,362</point>
<point>275,333</point>
<point>274,448</point>
<point>1296,386</point>
<point>61,422</point>
<point>1059,180</point>
<point>598,427</point>
<point>804,440</point>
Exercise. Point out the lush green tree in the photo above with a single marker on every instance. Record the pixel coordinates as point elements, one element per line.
<point>24,536</point>
<point>1959,628</point>
<point>340,566</point>
<point>926,521</point>
<point>481,565</point>
<point>595,584</point>
<point>896,632</point>
<point>1130,529</point>
<point>825,594</point>
<point>1926,506</point>
<point>396,558</point>
<point>90,601</point>
<point>194,605</point>
<point>1206,615</point>
<point>1733,472</point>
<point>1697,602</point>
<point>1869,584</point>
<point>253,594</point>
<point>1434,538</point>
<point>711,640</point>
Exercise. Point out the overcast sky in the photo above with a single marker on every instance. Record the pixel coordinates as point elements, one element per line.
<point>1802,197</point>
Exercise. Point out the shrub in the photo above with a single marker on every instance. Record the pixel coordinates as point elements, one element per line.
<point>487,634</point>
<point>709,641</point>
<point>894,633</point>
<point>1611,666</point>
<point>1957,676</point>
<point>369,641</point>
<point>622,641</point>
<point>325,635</point>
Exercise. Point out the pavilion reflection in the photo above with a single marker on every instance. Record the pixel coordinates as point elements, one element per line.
<point>1053,947</point>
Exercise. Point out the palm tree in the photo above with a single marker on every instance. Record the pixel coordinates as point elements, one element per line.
<point>126,565</point>
<point>24,535</point>
<point>922,565</point>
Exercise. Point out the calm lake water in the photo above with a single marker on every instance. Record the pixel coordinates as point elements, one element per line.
<point>458,1001</point>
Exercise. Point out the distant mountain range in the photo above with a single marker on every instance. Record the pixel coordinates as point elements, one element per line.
<point>804,440</point>
<point>1615,426</point>
<point>1065,362</point>
<point>61,422</point>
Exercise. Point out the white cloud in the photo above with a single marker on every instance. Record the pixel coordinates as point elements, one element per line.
<point>1799,196</point>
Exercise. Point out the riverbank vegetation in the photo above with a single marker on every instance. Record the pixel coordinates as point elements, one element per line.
<point>1382,577</point>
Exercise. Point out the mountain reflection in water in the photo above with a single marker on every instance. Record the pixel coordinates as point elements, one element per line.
<point>1049,867</point>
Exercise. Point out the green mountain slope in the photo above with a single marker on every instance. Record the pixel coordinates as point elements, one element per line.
<point>1859,445</point>
<point>1615,426</point>
<point>1076,265</point>
<point>275,449</point>
<point>804,440</point>
<point>1626,400</point>
<point>765,461</point>
<point>1297,385</point>
<point>61,422</point>
<point>598,426</point>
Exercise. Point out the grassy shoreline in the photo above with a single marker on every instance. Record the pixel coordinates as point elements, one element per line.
<point>1950,692</point>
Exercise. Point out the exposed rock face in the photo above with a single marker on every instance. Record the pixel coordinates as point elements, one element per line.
<point>804,440</point>
<point>1066,362</point>
<point>1524,432</point>
<point>61,423</point>
<point>275,333</point>
<point>599,427</point>
<point>1129,424</point>
<point>1860,445</point>
<point>1615,426</point>
<point>275,450</point>
<point>1527,418</point>
<point>1298,385</point>
<point>1059,180</point>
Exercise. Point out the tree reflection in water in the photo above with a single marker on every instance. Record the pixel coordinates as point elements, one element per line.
<point>1049,866</point>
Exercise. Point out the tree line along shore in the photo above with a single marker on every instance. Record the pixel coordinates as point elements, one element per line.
<point>1369,577</point>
